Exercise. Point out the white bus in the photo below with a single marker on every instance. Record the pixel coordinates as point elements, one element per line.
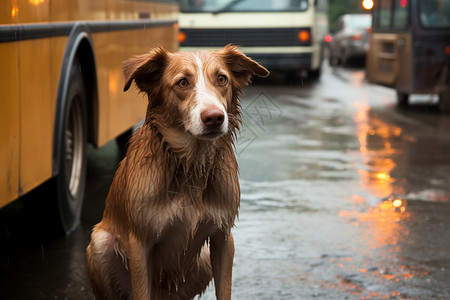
<point>282,35</point>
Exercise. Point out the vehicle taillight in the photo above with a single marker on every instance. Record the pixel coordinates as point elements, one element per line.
<point>447,50</point>
<point>357,37</point>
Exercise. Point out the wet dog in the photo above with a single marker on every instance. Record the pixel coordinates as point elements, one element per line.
<point>166,228</point>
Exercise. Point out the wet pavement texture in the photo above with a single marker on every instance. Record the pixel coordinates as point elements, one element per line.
<point>344,196</point>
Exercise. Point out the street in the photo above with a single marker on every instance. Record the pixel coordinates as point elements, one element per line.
<point>343,196</point>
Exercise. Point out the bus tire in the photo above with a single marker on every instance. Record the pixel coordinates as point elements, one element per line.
<point>315,74</point>
<point>444,101</point>
<point>402,99</point>
<point>54,208</point>
<point>71,178</point>
<point>292,77</point>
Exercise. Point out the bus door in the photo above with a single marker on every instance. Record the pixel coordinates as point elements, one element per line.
<point>431,45</point>
<point>389,61</point>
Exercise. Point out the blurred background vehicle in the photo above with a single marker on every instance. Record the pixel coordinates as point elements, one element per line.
<point>286,35</point>
<point>410,48</point>
<point>349,38</point>
<point>61,88</point>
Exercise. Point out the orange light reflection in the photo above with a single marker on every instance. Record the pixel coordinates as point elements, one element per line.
<point>397,203</point>
<point>113,82</point>
<point>14,11</point>
<point>36,2</point>
<point>382,225</point>
<point>377,146</point>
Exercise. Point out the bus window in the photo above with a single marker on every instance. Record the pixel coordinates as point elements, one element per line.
<point>392,14</point>
<point>435,13</point>
<point>401,14</point>
<point>385,13</point>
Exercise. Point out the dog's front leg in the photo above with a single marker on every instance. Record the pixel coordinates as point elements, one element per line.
<point>222,254</point>
<point>139,272</point>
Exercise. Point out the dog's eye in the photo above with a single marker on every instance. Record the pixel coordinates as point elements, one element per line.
<point>183,83</point>
<point>222,80</point>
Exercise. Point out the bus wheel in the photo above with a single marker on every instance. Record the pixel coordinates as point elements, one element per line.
<point>444,100</point>
<point>71,178</point>
<point>402,99</point>
<point>315,74</point>
<point>292,77</point>
<point>334,61</point>
<point>54,208</point>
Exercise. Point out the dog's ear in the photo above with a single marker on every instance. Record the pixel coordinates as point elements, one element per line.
<point>242,67</point>
<point>146,69</point>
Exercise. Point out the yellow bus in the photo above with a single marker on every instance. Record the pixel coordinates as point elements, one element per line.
<point>283,35</point>
<point>61,87</point>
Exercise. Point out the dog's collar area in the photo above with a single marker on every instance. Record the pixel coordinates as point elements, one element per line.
<point>160,137</point>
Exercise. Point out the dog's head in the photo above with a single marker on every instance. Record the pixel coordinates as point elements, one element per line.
<point>194,93</point>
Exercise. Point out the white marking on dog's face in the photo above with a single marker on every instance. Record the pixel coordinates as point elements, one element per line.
<point>205,98</point>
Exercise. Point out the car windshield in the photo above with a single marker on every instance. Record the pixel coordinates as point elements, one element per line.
<point>219,6</point>
<point>435,13</point>
<point>360,22</point>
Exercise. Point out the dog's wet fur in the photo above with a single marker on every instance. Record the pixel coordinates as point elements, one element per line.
<point>166,228</point>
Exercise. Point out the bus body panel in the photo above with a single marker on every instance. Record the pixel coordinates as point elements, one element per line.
<point>251,20</point>
<point>267,46</point>
<point>319,32</point>
<point>409,57</point>
<point>112,100</point>
<point>104,10</point>
<point>36,113</point>
<point>9,122</point>
<point>429,57</point>
<point>31,78</point>
<point>391,59</point>
<point>408,64</point>
<point>29,11</point>
<point>276,58</point>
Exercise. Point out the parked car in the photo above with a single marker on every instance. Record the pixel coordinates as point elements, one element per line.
<point>350,38</point>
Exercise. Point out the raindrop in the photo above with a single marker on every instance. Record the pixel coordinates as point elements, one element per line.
<point>184,279</point>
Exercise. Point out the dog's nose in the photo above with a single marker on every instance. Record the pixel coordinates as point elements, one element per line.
<point>212,117</point>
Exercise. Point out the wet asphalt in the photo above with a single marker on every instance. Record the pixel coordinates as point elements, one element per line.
<point>344,196</point>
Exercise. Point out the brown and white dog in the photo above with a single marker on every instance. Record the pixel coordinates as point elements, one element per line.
<point>166,228</point>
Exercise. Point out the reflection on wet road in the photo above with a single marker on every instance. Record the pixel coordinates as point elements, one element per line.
<point>343,197</point>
